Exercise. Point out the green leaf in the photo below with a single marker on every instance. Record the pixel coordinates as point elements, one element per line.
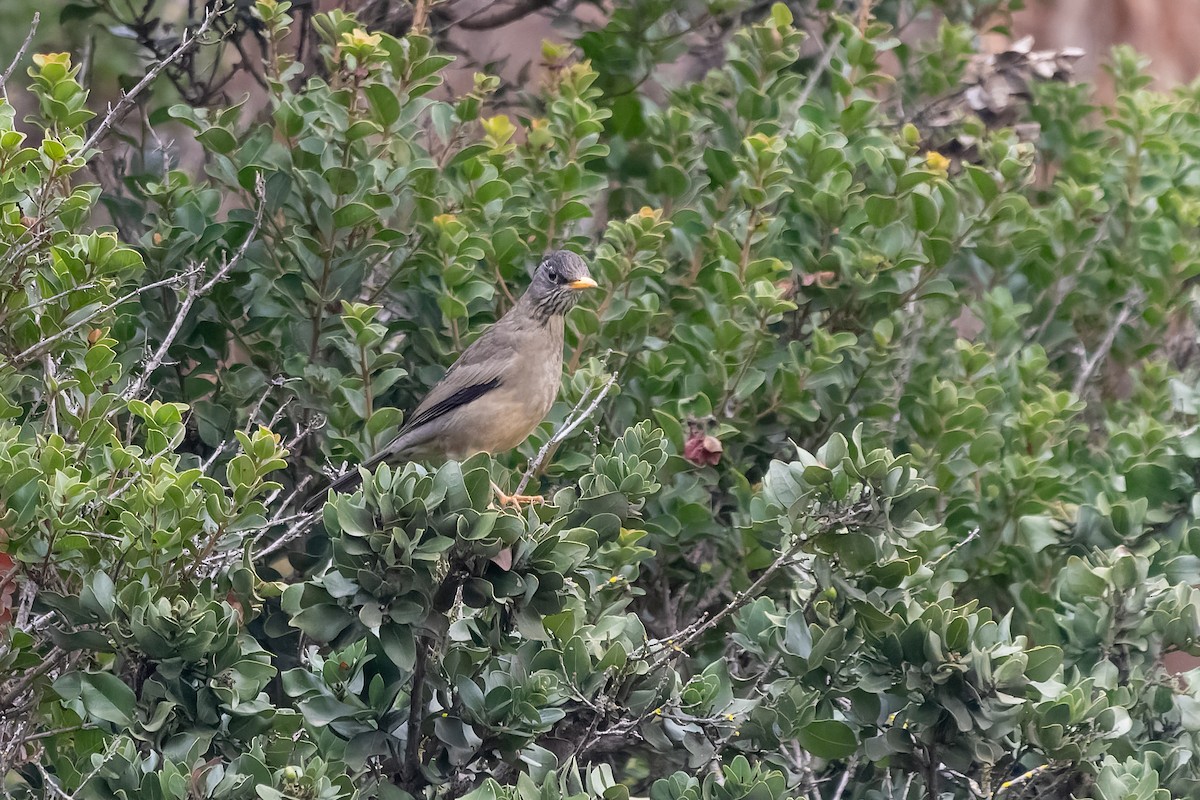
<point>828,739</point>
<point>1043,662</point>
<point>353,214</point>
<point>104,696</point>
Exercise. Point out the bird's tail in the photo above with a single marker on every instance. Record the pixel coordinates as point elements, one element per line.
<point>341,484</point>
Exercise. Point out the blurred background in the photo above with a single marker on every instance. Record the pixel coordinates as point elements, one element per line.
<point>505,34</point>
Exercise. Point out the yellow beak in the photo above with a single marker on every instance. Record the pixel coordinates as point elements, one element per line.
<point>583,283</point>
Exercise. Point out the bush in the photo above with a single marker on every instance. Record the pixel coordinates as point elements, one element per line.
<point>885,482</point>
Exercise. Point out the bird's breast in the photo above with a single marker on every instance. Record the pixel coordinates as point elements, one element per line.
<point>504,417</point>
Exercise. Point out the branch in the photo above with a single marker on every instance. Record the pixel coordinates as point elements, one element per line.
<point>970,537</point>
<point>156,360</point>
<point>34,349</point>
<point>1062,286</point>
<point>706,623</point>
<point>1091,363</point>
<point>815,76</point>
<point>195,291</point>
<point>479,21</point>
<point>573,421</point>
<point>841,788</point>
<point>186,43</point>
<point>675,644</point>
<point>411,769</point>
<point>301,523</point>
<point>37,17</point>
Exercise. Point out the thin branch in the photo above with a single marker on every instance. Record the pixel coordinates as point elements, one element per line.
<point>52,298</point>
<point>300,525</point>
<point>573,421</point>
<point>194,292</point>
<point>850,767</point>
<point>33,26</point>
<point>970,537</point>
<point>34,349</point>
<point>1062,286</point>
<point>135,388</point>
<point>186,43</point>
<point>478,21</point>
<point>706,623</point>
<point>818,71</point>
<point>46,665</point>
<point>260,191</point>
<point>1091,363</point>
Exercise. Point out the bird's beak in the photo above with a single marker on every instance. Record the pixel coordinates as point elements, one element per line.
<point>582,283</point>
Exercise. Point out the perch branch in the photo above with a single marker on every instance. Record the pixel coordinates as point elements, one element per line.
<point>573,421</point>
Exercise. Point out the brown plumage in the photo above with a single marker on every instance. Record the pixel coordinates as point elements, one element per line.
<point>500,388</point>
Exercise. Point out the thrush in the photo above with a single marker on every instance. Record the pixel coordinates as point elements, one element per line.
<point>500,388</point>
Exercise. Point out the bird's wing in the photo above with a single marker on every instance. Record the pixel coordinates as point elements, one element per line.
<point>480,369</point>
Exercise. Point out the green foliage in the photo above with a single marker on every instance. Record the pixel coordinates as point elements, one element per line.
<point>894,494</point>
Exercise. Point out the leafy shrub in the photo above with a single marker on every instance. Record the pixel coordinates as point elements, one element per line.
<point>893,493</point>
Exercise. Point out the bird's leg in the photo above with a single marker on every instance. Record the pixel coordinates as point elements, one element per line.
<point>515,500</point>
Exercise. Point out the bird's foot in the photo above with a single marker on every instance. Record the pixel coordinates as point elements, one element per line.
<point>515,500</point>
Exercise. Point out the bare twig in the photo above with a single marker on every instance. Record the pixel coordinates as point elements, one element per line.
<point>35,349</point>
<point>1092,363</point>
<point>186,43</point>
<point>815,76</point>
<point>196,290</point>
<point>51,393</point>
<point>850,767</point>
<point>260,192</point>
<point>573,421</point>
<point>47,664</point>
<point>1062,286</point>
<point>705,623</point>
<point>479,21</point>
<point>970,537</point>
<point>420,15</point>
<point>301,523</point>
<point>155,361</point>
<point>33,26</point>
<point>52,298</point>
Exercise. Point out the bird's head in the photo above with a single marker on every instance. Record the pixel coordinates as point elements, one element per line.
<point>559,279</point>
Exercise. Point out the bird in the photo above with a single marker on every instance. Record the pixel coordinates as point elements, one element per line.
<point>500,388</point>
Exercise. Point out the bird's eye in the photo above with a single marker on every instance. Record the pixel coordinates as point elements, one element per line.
<point>553,275</point>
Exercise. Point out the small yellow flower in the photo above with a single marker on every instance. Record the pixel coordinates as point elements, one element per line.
<point>729,717</point>
<point>646,212</point>
<point>937,162</point>
<point>614,579</point>
<point>443,220</point>
<point>444,715</point>
<point>360,38</point>
<point>658,712</point>
<point>499,128</point>
<point>42,59</point>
